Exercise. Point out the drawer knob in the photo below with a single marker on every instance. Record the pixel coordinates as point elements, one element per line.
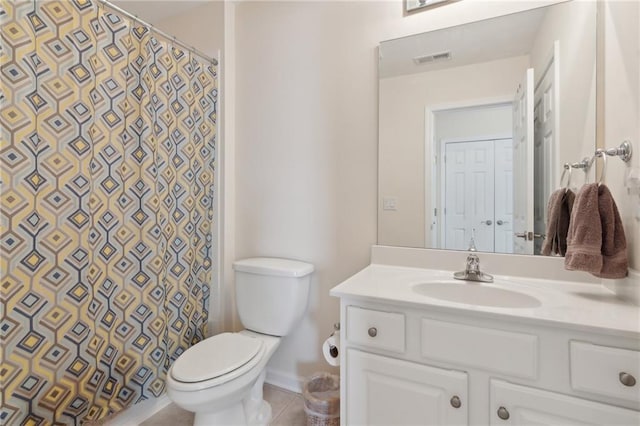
<point>503,413</point>
<point>455,401</point>
<point>373,332</point>
<point>627,379</point>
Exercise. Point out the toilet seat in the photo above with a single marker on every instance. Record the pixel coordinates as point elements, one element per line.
<point>217,360</point>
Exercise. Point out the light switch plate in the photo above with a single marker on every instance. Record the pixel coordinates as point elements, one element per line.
<point>390,203</point>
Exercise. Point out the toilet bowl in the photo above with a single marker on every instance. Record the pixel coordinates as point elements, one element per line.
<point>221,378</point>
<point>227,389</point>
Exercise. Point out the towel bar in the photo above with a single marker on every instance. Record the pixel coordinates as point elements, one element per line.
<point>624,151</point>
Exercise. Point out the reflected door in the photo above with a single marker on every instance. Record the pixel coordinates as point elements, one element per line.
<point>523,166</point>
<point>477,195</point>
<point>503,230</point>
<point>545,141</point>
<point>469,195</point>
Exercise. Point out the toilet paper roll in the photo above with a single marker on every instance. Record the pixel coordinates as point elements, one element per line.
<point>331,350</point>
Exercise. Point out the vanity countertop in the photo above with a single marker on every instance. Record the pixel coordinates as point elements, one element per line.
<point>590,307</point>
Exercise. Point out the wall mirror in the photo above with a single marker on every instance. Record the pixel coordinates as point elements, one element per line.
<point>476,122</point>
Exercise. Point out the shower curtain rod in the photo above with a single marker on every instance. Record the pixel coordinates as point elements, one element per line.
<point>158,31</point>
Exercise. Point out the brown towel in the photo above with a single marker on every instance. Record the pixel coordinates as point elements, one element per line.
<point>566,209</point>
<point>558,219</point>
<point>614,244</point>
<point>596,240</point>
<point>584,240</point>
<point>553,215</point>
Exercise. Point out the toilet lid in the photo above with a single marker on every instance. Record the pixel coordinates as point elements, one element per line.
<point>215,357</point>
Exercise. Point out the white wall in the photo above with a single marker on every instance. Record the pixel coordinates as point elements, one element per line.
<point>200,25</point>
<point>402,165</point>
<point>622,110</point>
<point>484,122</point>
<point>305,151</point>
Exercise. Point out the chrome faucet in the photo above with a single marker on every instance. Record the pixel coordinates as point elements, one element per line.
<point>472,270</point>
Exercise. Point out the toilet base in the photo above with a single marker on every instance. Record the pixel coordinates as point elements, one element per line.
<point>251,411</point>
<point>235,416</point>
<point>262,416</point>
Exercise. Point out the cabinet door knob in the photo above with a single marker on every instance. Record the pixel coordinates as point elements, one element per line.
<point>627,379</point>
<point>455,401</point>
<point>503,413</point>
<point>373,332</point>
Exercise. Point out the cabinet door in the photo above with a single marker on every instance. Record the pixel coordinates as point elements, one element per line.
<point>387,391</point>
<point>520,405</point>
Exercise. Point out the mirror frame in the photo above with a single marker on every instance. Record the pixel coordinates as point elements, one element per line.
<point>593,134</point>
<point>412,6</point>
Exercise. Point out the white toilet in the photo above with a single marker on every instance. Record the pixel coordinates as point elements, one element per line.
<point>221,378</point>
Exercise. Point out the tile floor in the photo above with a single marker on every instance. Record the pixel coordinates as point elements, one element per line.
<point>287,408</point>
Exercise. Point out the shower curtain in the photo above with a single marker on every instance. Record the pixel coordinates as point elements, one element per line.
<point>107,155</point>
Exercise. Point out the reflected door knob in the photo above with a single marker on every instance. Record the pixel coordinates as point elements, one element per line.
<point>501,222</point>
<point>455,401</point>
<point>503,413</point>
<point>627,379</point>
<point>486,222</point>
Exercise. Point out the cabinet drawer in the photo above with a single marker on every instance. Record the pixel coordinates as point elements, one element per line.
<point>515,354</point>
<point>600,370</point>
<point>384,330</point>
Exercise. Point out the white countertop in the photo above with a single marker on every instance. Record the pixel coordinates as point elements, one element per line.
<point>580,306</point>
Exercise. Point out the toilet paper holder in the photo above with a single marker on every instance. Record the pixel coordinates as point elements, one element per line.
<point>333,350</point>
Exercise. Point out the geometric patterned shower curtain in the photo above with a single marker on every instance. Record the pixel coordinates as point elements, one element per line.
<point>107,155</point>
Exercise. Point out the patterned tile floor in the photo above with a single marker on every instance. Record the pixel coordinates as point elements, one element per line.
<point>287,408</point>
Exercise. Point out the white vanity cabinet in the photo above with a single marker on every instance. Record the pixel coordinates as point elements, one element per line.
<point>388,391</point>
<point>397,391</point>
<point>406,364</point>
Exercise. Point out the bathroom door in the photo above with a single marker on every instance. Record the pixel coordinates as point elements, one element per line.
<point>523,166</point>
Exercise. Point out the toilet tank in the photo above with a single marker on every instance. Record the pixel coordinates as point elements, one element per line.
<point>271,293</point>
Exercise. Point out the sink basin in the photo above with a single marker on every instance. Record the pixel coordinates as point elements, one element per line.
<point>475,294</point>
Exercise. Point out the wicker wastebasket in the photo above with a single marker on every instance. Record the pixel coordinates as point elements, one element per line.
<point>321,394</point>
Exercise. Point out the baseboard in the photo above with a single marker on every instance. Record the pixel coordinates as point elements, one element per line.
<point>138,413</point>
<point>286,381</point>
